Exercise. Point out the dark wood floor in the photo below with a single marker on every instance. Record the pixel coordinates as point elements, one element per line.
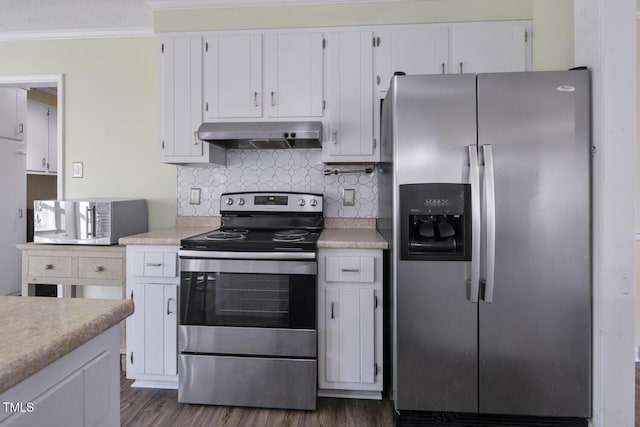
<point>153,407</point>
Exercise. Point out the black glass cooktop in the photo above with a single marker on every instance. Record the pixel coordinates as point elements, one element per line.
<point>236,239</point>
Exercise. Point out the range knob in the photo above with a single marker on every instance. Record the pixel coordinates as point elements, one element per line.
<point>229,201</point>
<point>301,202</point>
<point>313,202</point>
<point>241,201</point>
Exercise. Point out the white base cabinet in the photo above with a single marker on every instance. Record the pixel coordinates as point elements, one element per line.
<point>82,388</point>
<point>350,323</point>
<point>152,284</point>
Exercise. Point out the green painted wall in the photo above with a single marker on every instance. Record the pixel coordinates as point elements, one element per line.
<point>416,11</point>
<point>110,116</point>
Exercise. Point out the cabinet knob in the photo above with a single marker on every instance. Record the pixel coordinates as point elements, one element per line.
<point>98,268</point>
<point>48,266</point>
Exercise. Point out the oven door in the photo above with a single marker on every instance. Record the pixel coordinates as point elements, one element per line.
<point>250,307</point>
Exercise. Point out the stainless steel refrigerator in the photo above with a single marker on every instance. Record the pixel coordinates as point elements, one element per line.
<point>485,198</point>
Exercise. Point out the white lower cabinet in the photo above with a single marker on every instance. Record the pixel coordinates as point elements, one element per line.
<point>82,388</point>
<point>152,330</point>
<point>350,323</point>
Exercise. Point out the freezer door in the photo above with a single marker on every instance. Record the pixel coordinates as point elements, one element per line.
<point>435,320</point>
<point>535,334</point>
<point>437,339</point>
<point>434,122</point>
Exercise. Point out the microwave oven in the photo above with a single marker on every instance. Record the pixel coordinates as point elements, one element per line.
<point>88,221</point>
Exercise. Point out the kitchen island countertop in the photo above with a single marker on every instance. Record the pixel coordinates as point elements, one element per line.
<point>36,331</point>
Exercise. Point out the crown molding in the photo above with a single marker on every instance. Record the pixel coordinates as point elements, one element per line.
<point>205,4</point>
<point>102,33</point>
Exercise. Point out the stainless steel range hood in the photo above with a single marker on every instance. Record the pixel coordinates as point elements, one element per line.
<point>264,135</point>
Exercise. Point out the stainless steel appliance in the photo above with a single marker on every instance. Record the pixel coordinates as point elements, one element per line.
<point>247,332</point>
<point>261,135</point>
<point>88,221</point>
<point>487,207</point>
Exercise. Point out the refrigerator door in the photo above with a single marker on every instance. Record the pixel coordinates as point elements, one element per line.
<point>435,321</point>
<point>535,333</point>
<point>434,120</point>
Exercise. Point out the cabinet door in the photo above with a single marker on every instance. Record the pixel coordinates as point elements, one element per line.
<point>413,50</point>
<point>233,76</point>
<point>293,75</point>
<point>350,106</point>
<point>52,152</point>
<point>12,113</point>
<point>154,329</point>
<point>487,47</point>
<point>170,323</point>
<point>180,98</point>
<point>349,334</point>
<point>37,136</point>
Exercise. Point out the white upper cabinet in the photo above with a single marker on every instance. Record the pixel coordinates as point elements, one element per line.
<point>350,107</point>
<point>293,75</point>
<point>486,47</point>
<point>233,76</point>
<point>181,102</point>
<point>41,137</point>
<point>236,85</point>
<point>413,50</point>
<point>13,113</point>
<point>470,47</point>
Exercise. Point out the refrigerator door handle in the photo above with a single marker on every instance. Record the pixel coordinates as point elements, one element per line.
<point>474,178</point>
<point>490,222</point>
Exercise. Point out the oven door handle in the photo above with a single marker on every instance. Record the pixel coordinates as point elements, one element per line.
<point>246,255</point>
<point>248,266</point>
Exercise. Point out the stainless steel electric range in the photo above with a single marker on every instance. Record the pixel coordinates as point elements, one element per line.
<point>247,333</point>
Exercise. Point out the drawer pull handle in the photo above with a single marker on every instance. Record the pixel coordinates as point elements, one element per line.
<point>332,314</point>
<point>98,268</point>
<point>350,270</point>
<point>168,306</point>
<point>48,266</point>
<point>153,264</point>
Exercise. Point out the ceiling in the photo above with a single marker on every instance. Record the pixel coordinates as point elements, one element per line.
<point>42,16</point>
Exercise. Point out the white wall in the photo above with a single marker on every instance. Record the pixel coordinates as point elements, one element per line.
<point>605,37</point>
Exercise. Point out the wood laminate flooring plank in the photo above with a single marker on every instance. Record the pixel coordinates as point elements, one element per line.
<point>154,407</point>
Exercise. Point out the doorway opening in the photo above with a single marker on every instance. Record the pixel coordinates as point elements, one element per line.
<point>31,156</point>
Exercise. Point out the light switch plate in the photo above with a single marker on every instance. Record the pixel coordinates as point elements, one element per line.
<point>77,169</point>
<point>348,197</point>
<point>194,196</point>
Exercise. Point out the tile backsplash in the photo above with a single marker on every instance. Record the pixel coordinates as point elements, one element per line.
<point>277,170</point>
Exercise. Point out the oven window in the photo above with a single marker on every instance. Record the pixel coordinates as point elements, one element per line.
<point>255,300</point>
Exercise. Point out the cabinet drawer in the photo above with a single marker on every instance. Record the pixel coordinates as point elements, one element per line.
<point>49,266</point>
<point>100,268</point>
<point>155,264</point>
<point>350,269</point>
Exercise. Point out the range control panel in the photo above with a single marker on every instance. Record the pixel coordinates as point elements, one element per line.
<point>271,202</point>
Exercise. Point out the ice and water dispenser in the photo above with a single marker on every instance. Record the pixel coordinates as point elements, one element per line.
<point>435,222</point>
